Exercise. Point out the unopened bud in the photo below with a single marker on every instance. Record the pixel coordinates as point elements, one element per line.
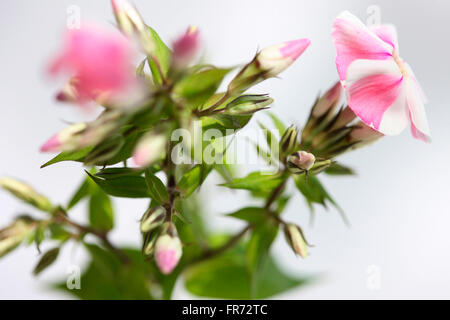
<point>148,247</point>
<point>26,193</point>
<point>66,139</point>
<point>268,63</point>
<point>153,218</point>
<point>301,161</point>
<point>168,249</point>
<point>328,101</point>
<point>344,118</point>
<point>131,24</point>
<point>248,104</point>
<point>289,140</point>
<point>150,148</point>
<point>185,48</point>
<point>275,59</point>
<point>362,134</point>
<point>13,235</point>
<point>296,240</point>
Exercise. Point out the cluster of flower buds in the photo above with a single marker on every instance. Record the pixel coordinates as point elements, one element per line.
<point>268,63</point>
<point>296,240</point>
<point>26,193</point>
<point>13,235</point>
<point>329,133</point>
<point>161,239</point>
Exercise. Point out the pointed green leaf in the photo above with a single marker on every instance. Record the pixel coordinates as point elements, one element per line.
<point>126,186</point>
<point>156,188</point>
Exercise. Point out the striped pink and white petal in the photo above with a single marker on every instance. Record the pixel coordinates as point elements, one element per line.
<point>354,41</point>
<point>387,33</point>
<point>375,92</point>
<point>416,110</point>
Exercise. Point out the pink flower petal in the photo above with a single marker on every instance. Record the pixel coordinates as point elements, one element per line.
<point>353,41</point>
<point>387,33</point>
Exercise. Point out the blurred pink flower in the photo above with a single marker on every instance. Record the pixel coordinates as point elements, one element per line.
<point>99,59</point>
<point>381,87</point>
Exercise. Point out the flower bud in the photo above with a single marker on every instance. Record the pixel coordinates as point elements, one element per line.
<point>149,242</point>
<point>149,149</point>
<point>131,24</point>
<point>69,92</point>
<point>296,240</point>
<point>153,218</point>
<point>185,48</point>
<point>301,161</point>
<point>275,59</point>
<point>328,101</point>
<point>289,140</point>
<point>248,104</point>
<point>168,249</point>
<point>344,118</point>
<point>362,134</point>
<point>13,235</point>
<point>26,193</point>
<point>66,139</point>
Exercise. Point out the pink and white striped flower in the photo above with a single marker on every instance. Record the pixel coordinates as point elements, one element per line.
<point>99,59</point>
<point>381,87</point>
<point>275,59</point>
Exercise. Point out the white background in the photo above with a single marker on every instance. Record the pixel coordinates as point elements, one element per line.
<point>398,204</point>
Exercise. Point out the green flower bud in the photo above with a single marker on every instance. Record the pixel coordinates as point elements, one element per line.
<point>26,193</point>
<point>296,240</point>
<point>13,235</point>
<point>153,218</point>
<point>248,104</point>
<point>289,140</point>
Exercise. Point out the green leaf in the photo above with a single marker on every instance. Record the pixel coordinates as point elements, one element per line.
<point>198,87</point>
<point>126,186</point>
<point>82,192</point>
<point>227,277</point>
<point>281,127</point>
<point>256,181</point>
<point>258,248</point>
<point>78,156</point>
<point>314,192</point>
<point>254,215</point>
<point>339,169</point>
<point>156,188</point>
<point>104,151</point>
<point>113,173</point>
<point>192,179</point>
<point>46,260</point>
<point>222,122</point>
<point>101,214</point>
<point>159,62</point>
<point>106,278</point>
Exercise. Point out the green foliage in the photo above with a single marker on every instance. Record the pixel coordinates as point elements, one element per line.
<point>101,214</point>
<point>192,179</point>
<point>107,278</point>
<point>156,188</point>
<point>198,87</point>
<point>227,277</point>
<point>77,155</point>
<point>336,169</point>
<point>259,182</point>
<point>130,186</point>
<point>46,260</point>
<point>253,215</point>
<point>159,62</point>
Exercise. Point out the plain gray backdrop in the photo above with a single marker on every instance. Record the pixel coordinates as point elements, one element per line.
<point>398,204</point>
